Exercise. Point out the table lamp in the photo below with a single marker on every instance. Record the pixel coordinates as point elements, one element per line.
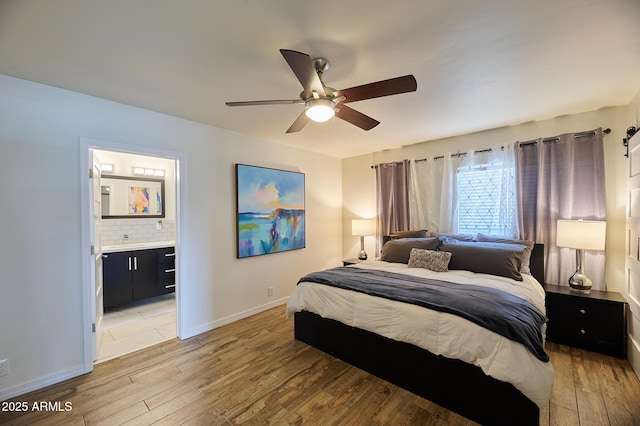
<point>581,235</point>
<point>363,227</point>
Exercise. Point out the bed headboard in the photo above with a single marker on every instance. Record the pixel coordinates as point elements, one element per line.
<point>536,262</point>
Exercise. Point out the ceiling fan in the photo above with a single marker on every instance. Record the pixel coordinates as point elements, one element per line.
<point>323,102</point>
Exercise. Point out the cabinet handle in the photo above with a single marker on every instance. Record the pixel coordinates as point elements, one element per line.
<point>170,286</point>
<point>583,332</point>
<point>129,262</point>
<point>582,311</point>
<point>135,263</point>
<point>170,270</point>
<point>169,254</point>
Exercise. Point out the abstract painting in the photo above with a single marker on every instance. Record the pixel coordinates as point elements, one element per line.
<point>138,200</point>
<point>270,206</point>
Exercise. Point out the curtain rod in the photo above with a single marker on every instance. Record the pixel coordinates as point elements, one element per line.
<point>391,164</point>
<point>520,144</point>
<point>556,139</point>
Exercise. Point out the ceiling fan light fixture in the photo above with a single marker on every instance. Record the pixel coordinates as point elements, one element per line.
<point>320,110</point>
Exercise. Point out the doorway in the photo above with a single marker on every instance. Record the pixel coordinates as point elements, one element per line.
<point>129,326</point>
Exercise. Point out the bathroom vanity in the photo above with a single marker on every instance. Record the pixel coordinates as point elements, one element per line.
<point>134,272</point>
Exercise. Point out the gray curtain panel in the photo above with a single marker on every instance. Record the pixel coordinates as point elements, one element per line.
<point>562,178</point>
<point>392,185</point>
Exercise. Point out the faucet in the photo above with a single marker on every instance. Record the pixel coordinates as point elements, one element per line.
<point>125,239</point>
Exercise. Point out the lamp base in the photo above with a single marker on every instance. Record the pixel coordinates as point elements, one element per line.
<point>579,281</point>
<point>362,255</point>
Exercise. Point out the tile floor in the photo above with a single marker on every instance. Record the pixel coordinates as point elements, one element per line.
<point>138,325</point>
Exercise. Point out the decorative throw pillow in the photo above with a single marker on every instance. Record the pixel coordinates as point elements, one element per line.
<point>437,261</point>
<point>398,251</point>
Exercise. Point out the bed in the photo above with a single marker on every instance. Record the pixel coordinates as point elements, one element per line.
<point>448,359</point>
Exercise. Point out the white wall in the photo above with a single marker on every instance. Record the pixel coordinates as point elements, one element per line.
<point>358,179</point>
<point>41,331</point>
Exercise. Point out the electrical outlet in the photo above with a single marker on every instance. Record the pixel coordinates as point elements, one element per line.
<point>4,367</point>
<point>270,291</point>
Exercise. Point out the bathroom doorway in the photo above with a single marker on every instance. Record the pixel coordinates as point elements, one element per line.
<point>130,325</point>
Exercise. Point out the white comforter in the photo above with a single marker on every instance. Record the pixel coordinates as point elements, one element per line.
<point>440,333</point>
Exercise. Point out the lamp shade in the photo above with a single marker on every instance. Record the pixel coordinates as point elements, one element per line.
<point>363,227</point>
<point>581,234</point>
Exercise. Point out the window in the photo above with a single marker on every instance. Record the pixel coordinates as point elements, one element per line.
<point>486,201</point>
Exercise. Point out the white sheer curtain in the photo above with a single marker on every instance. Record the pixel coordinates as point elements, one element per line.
<point>431,194</point>
<point>470,193</point>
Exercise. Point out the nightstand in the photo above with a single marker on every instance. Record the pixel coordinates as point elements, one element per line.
<point>596,321</point>
<point>353,261</point>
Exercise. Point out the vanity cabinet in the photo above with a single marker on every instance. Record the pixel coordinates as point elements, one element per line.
<point>134,275</point>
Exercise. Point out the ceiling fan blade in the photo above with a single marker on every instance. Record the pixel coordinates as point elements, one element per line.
<point>302,66</point>
<point>299,124</point>
<point>392,86</point>
<point>268,102</point>
<point>356,117</point>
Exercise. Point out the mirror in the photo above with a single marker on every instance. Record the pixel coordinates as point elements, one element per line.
<point>132,197</point>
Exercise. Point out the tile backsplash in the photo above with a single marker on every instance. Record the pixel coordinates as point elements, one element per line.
<point>138,230</point>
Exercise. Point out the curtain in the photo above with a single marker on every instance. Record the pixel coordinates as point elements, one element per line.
<point>562,178</point>
<point>392,187</point>
<point>431,195</point>
<point>469,193</point>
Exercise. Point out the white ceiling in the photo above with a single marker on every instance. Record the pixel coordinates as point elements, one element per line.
<point>479,64</point>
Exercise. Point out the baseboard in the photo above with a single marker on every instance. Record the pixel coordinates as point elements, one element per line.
<point>194,331</point>
<point>40,383</point>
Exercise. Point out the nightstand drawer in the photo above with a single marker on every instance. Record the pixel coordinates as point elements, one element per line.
<point>590,321</point>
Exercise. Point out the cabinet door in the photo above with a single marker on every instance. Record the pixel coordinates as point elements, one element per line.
<point>116,279</point>
<point>145,274</point>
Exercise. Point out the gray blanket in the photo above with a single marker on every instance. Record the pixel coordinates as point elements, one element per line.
<point>496,310</point>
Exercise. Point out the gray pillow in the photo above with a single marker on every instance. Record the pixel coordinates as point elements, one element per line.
<point>408,234</point>
<point>454,237</point>
<point>399,251</point>
<point>486,258</point>
<point>526,255</point>
<point>437,261</point>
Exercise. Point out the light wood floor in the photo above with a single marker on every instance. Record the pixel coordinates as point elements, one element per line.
<point>254,372</point>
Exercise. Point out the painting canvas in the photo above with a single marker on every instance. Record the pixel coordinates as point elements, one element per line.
<point>270,206</point>
<point>138,200</point>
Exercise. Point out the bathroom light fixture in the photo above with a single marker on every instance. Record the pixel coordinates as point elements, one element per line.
<point>320,109</point>
<point>143,171</point>
<point>106,168</point>
<point>581,235</point>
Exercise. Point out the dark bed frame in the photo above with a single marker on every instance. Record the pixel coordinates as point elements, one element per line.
<point>453,384</point>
